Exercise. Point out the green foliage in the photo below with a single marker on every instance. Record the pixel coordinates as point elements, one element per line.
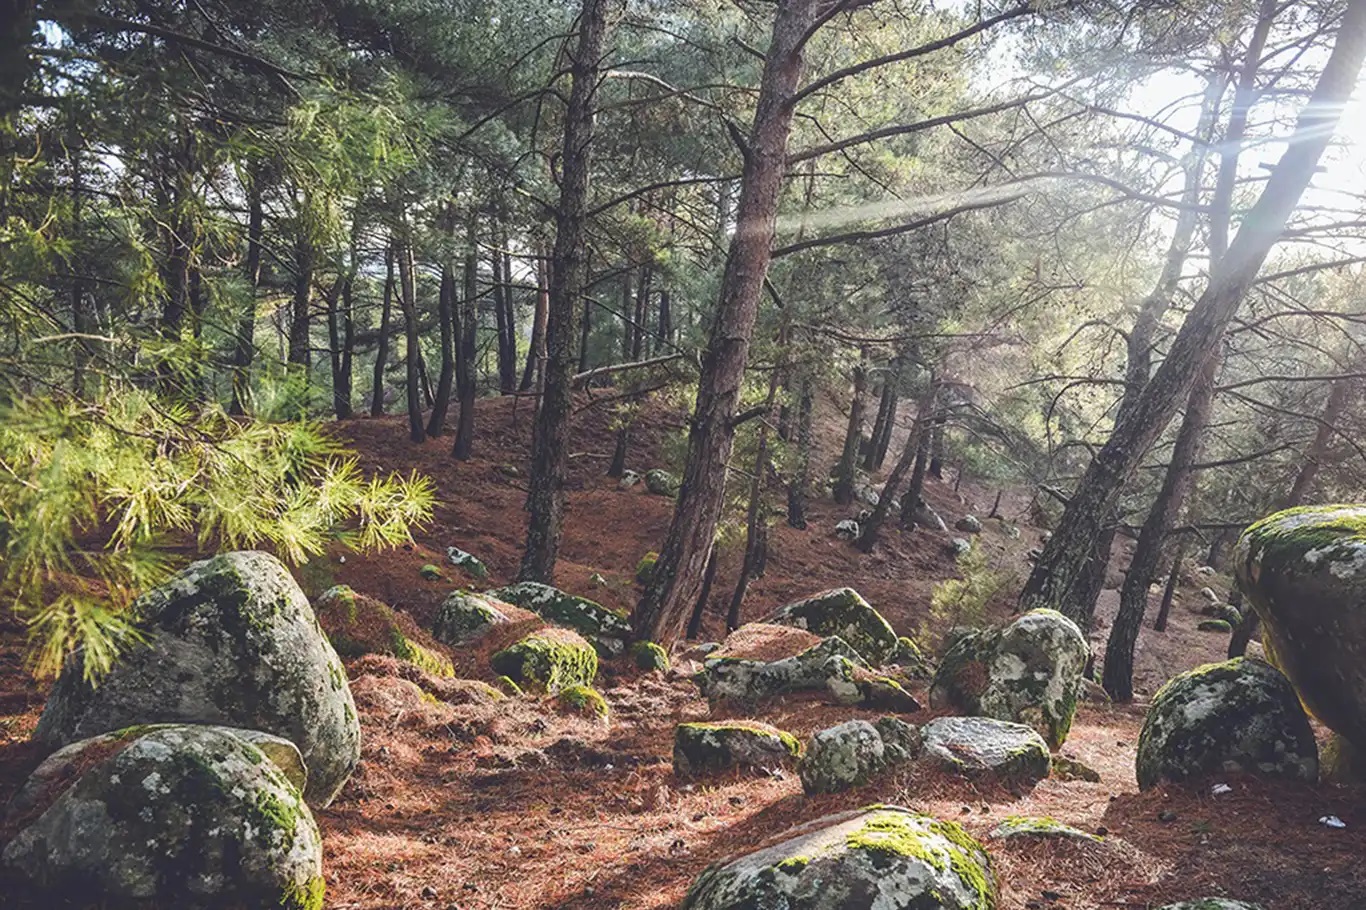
<point>95,498</point>
<point>964,600</point>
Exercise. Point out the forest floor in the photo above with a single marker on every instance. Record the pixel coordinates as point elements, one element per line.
<point>511,805</point>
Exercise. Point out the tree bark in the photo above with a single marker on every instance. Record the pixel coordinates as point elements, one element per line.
<point>663,609</point>
<point>244,347</point>
<point>756,519</point>
<point>1169,592</point>
<point>466,348</point>
<point>407,298</point>
<point>798,489</point>
<point>535,355</point>
<point>886,408</point>
<point>911,453</point>
<point>700,607</point>
<point>915,490</point>
<point>382,347</point>
<point>1063,563</point>
<point>445,315</point>
<point>568,281</point>
<point>853,435</point>
<point>304,261</point>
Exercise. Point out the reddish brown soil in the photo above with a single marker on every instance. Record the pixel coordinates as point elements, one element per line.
<point>465,803</point>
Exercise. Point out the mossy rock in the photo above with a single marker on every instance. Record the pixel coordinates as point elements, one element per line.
<point>855,686</point>
<point>662,483</point>
<point>471,564</point>
<point>184,816</point>
<point>1017,827</point>
<point>842,612</point>
<point>911,658</point>
<point>1029,671</point>
<point>229,640</point>
<point>607,629</point>
<point>981,747</point>
<point>508,686</point>
<point>358,625</point>
<point>1304,572</point>
<point>1214,625</point>
<point>584,701</point>
<point>880,858</point>
<point>550,660</point>
<point>843,756</point>
<point>747,680</point>
<point>645,569</point>
<point>465,616</point>
<point>1340,762</point>
<point>430,572</point>
<point>708,748</point>
<point>650,657</point>
<point>1237,716</point>
<point>1070,769</point>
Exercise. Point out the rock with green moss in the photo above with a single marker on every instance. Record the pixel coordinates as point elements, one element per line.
<point>842,612</point>
<point>473,565</point>
<point>1066,768</point>
<point>608,630</point>
<point>911,658</point>
<point>358,625</point>
<point>1304,572</point>
<point>1212,903</point>
<point>744,679</point>
<point>969,524</point>
<point>549,660</point>
<point>982,747</point>
<point>650,657</point>
<point>881,858</point>
<point>843,756</point>
<point>430,572</point>
<point>645,569</point>
<point>584,701</point>
<point>1024,827</point>
<point>901,741</point>
<point>853,686</point>
<point>508,686</point>
<point>184,816</point>
<point>1340,762</point>
<point>661,482</point>
<point>465,616</point>
<point>709,748</point>
<point>1214,625</point>
<point>1237,716</point>
<point>1029,671</point>
<point>229,640</point>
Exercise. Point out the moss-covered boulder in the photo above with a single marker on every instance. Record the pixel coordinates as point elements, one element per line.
<point>661,482</point>
<point>358,625</point>
<point>911,658</point>
<point>968,524</point>
<point>230,640</point>
<point>430,572</point>
<point>608,630</point>
<point>1237,716</point>
<point>707,748</point>
<point>982,747</point>
<point>184,816</point>
<point>842,612</point>
<point>549,660</point>
<point>645,569</point>
<point>853,685</point>
<point>1214,625</point>
<point>1304,572</point>
<point>747,679</point>
<point>465,616</point>
<point>649,657</point>
<point>1030,671</point>
<point>1025,827</point>
<point>473,565</point>
<point>843,756</point>
<point>881,858</point>
<point>585,701</point>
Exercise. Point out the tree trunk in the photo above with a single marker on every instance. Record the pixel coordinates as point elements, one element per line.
<point>1063,564</point>
<point>304,259</point>
<point>665,335</point>
<point>639,315</point>
<point>535,355</point>
<point>407,299</point>
<point>911,453</point>
<point>339,334</point>
<point>801,474</point>
<point>445,315</point>
<point>936,468</point>
<point>756,520</point>
<point>1176,485</point>
<point>568,280</point>
<point>502,309</point>
<point>886,409</point>
<point>853,435</point>
<point>244,347</point>
<point>466,350</point>
<point>618,466</point>
<point>915,490</point>
<point>664,608</point>
<point>700,607</point>
<point>382,348</point>
<point>585,331</point>
<point>1169,592</point>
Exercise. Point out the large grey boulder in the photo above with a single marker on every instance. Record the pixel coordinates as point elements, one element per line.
<point>229,640</point>
<point>662,483</point>
<point>1237,716</point>
<point>982,747</point>
<point>849,754</point>
<point>842,612</point>
<point>926,517</point>
<point>184,816</point>
<point>1030,671</point>
<point>746,679</point>
<point>608,630</point>
<point>1304,572</point>
<point>701,748</point>
<point>465,616</point>
<point>883,858</point>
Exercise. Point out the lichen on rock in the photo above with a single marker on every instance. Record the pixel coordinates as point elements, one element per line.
<point>704,748</point>
<point>880,858</point>
<point>984,747</point>
<point>464,616</point>
<point>608,630</point>
<point>746,679</point>
<point>1237,716</point>
<point>1039,828</point>
<point>584,701</point>
<point>842,612</point>
<point>230,640</point>
<point>356,625</point>
<point>661,482</point>
<point>549,660</point>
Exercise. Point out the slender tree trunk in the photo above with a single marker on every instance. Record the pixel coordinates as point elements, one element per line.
<point>445,314</point>
<point>1169,592</point>
<point>341,394</point>
<point>1063,564</point>
<point>756,518</point>
<point>663,609</point>
<point>244,347</point>
<point>407,299</point>
<point>304,262</point>
<point>467,348</point>
<point>665,335</point>
<point>885,407</point>
<point>801,475</point>
<point>80,315</point>
<point>343,381</point>
<point>502,309</point>
<point>585,331</point>
<point>704,595</point>
<point>382,348</point>
<point>618,466</point>
<point>535,356</point>
<point>1176,485</point>
<point>853,435</point>
<point>868,532</point>
<point>915,490</point>
<point>639,315</point>
<point>568,281</point>
<point>937,447</point>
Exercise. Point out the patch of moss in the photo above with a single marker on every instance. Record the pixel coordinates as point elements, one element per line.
<point>506,684</point>
<point>645,569</point>
<point>430,572</point>
<point>1039,826</point>
<point>650,656</point>
<point>1214,625</point>
<point>584,700</point>
<point>894,834</point>
<point>793,865</point>
<point>424,658</point>
<point>551,660</point>
<point>1280,540</point>
<point>357,625</point>
<point>308,896</point>
<point>790,742</point>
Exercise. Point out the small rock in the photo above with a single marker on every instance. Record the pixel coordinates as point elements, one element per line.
<point>981,746</point>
